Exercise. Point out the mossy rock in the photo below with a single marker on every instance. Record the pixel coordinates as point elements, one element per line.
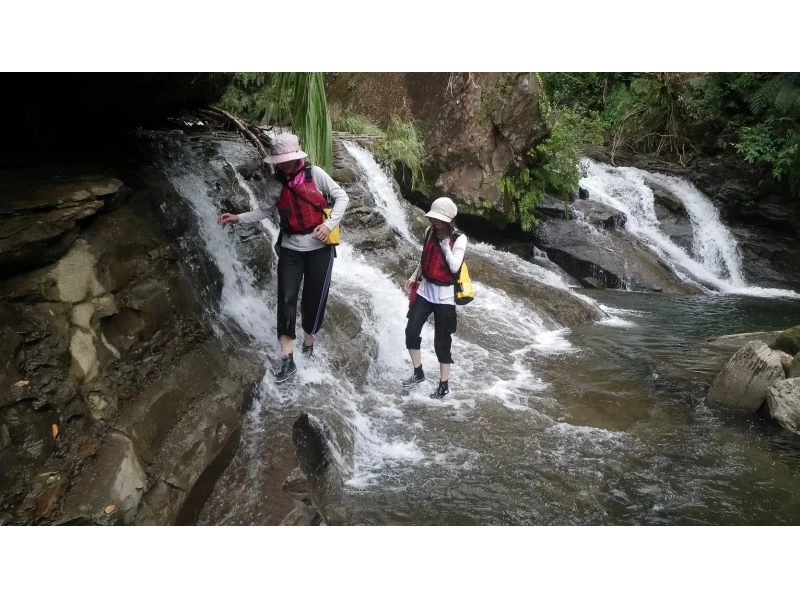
<point>788,341</point>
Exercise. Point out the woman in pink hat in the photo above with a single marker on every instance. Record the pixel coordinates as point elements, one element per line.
<point>300,193</point>
<point>442,256</point>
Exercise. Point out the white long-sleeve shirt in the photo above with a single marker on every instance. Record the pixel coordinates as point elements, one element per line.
<point>326,184</point>
<point>455,257</point>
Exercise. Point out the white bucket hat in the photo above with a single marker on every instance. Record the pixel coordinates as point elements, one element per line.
<point>284,148</point>
<point>443,209</point>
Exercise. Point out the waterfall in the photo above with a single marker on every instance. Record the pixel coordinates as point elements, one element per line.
<point>715,261</point>
<point>380,186</point>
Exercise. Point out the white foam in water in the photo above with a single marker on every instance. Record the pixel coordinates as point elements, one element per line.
<point>241,299</point>
<point>270,227</point>
<point>614,320</point>
<point>716,260</point>
<point>382,189</point>
<point>494,329</point>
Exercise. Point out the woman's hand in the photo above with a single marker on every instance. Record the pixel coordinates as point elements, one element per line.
<point>321,233</point>
<point>228,219</point>
<point>407,285</point>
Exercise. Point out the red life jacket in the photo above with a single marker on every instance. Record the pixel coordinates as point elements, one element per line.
<point>434,265</point>
<point>301,207</point>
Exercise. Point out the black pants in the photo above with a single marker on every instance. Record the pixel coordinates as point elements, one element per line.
<point>313,268</point>
<point>444,325</point>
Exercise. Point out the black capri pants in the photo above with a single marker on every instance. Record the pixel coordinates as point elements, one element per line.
<point>313,269</point>
<point>444,322</point>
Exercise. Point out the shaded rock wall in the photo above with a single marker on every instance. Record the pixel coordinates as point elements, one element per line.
<point>117,400</point>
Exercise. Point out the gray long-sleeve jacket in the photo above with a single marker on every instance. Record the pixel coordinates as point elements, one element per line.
<point>325,184</point>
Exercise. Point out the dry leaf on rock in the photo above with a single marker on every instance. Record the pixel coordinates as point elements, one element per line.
<point>21,383</point>
<point>110,509</point>
<point>54,431</point>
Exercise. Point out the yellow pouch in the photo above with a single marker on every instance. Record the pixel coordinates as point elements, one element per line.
<point>333,237</point>
<point>463,286</point>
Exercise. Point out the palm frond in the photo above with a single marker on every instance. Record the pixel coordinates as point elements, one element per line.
<point>309,115</point>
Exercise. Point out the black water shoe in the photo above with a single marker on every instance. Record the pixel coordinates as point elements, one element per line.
<point>416,378</point>
<point>308,350</point>
<point>288,368</point>
<point>441,391</point>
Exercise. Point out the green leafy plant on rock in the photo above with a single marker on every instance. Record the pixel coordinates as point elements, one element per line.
<point>400,142</point>
<point>296,100</point>
<point>552,166</point>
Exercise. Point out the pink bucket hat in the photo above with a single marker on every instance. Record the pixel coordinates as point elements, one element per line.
<point>285,147</point>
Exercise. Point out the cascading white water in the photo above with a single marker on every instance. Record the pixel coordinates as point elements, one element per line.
<point>496,329</point>
<point>381,188</point>
<point>241,300</point>
<point>716,262</point>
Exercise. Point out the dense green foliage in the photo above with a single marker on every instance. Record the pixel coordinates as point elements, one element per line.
<point>755,115</point>
<point>400,142</point>
<point>551,166</point>
<point>290,99</point>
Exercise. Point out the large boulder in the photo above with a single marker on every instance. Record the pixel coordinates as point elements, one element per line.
<point>783,400</point>
<point>610,256</point>
<point>744,381</point>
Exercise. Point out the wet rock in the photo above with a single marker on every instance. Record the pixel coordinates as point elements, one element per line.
<point>744,381</point>
<point>786,362</point>
<point>769,259</point>
<point>677,227</point>
<point>794,368</point>
<point>734,342</point>
<point>783,400</point>
<point>48,499</point>
<point>255,250</point>
<point>344,175</point>
<point>590,282</point>
<point>41,221</point>
<point>558,307</point>
<point>116,477</point>
<point>664,197</point>
<point>610,256</point>
<point>355,349</point>
<point>597,214</point>
<point>313,448</point>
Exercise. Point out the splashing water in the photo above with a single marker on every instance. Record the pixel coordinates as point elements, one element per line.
<point>716,261</point>
<point>381,188</point>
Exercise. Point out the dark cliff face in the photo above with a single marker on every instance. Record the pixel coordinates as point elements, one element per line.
<point>53,117</point>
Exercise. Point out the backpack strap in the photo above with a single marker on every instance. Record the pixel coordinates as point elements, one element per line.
<point>454,236</point>
<point>307,170</point>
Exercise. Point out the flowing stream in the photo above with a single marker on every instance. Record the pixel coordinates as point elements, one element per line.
<point>602,424</point>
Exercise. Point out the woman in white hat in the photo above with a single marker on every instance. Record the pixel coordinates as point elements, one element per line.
<point>300,193</point>
<point>442,256</point>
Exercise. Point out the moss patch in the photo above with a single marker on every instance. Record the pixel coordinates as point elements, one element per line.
<point>788,341</point>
